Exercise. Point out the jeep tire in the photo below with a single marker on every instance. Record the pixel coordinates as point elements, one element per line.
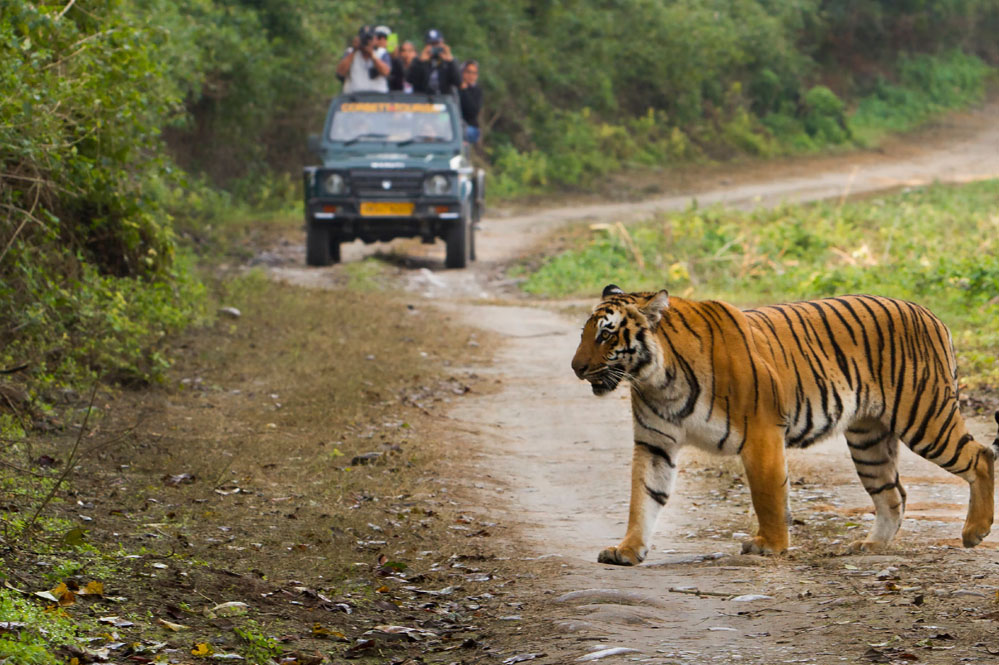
<point>460,242</point>
<point>320,247</point>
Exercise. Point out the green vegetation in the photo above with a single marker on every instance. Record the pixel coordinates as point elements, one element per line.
<point>257,647</point>
<point>89,277</point>
<point>938,246</point>
<point>122,116</point>
<point>32,631</point>
<point>927,86</point>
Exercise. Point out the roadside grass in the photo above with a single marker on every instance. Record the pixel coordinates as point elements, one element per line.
<point>938,246</point>
<point>296,459</point>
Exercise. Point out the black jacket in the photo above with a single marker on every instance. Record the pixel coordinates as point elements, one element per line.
<point>398,74</point>
<point>420,76</point>
<point>471,104</point>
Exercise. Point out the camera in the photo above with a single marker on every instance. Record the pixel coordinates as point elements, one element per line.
<point>365,37</point>
<point>436,52</point>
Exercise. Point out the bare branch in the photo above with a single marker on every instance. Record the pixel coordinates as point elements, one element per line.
<point>65,9</point>
<point>70,463</point>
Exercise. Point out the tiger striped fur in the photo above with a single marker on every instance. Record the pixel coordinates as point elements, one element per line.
<point>749,383</point>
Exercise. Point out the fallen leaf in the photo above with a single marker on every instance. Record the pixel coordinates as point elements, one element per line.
<point>47,461</point>
<point>326,633</point>
<point>60,594</point>
<point>93,588</point>
<point>359,648</point>
<point>170,625</point>
<point>875,656</point>
<point>233,608</point>
<point>179,479</point>
<point>400,632</point>
<point>202,650</point>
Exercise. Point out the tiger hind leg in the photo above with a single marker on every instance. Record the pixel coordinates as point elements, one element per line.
<point>945,441</point>
<point>874,450</point>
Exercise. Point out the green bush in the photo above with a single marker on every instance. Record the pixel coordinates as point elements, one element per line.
<point>825,117</point>
<point>927,85</point>
<point>89,278</point>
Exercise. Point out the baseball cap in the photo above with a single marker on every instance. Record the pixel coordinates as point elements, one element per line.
<point>383,30</point>
<point>433,36</point>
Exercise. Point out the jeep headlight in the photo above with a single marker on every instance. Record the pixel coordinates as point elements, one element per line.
<point>437,185</point>
<point>334,184</point>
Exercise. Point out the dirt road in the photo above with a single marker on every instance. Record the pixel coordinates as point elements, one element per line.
<point>555,460</point>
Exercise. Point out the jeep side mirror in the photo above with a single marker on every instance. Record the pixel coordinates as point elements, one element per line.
<point>313,143</point>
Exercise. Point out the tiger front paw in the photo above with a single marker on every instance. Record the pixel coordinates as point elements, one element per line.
<point>858,546</point>
<point>758,545</point>
<point>971,535</point>
<point>622,556</point>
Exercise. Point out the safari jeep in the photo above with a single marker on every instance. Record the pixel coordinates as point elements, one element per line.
<point>393,166</point>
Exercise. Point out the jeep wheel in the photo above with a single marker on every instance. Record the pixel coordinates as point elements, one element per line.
<point>471,239</point>
<point>459,238</point>
<point>319,245</point>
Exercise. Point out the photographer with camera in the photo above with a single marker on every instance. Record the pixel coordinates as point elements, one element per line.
<point>435,72</point>
<point>360,69</point>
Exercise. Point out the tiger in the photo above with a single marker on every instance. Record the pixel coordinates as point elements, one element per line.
<point>753,382</point>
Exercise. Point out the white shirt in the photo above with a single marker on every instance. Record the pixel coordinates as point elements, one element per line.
<point>359,77</point>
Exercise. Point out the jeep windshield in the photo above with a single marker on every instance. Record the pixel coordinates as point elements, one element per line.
<point>394,122</point>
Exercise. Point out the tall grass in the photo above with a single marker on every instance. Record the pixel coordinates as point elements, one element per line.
<point>938,246</point>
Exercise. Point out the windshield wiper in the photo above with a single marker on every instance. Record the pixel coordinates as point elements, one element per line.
<point>414,139</point>
<point>360,137</point>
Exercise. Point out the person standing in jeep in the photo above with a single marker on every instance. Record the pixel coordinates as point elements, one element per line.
<point>435,71</point>
<point>470,95</point>
<point>360,68</point>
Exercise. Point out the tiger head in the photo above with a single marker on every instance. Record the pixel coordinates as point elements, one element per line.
<point>618,340</point>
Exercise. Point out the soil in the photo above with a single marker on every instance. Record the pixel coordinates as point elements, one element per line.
<point>553,461</point>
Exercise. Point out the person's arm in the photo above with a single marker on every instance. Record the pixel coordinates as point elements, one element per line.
<point>383,67</point>
<point>343,67</point>
<point>450,69</point>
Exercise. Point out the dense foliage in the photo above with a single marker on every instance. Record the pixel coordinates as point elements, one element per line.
<point>118,114</point>
<point>88,279</point>
<point>938,246</point>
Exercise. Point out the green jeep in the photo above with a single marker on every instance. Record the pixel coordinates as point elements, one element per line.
<point>393,166</point>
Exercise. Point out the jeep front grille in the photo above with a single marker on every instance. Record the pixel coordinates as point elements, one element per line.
<point>386,184</point>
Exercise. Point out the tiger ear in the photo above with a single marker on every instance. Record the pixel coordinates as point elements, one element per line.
<point>654,308</point>
<point>611,290</point>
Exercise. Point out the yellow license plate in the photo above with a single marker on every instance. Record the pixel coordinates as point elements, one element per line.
<point>385,209</point>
